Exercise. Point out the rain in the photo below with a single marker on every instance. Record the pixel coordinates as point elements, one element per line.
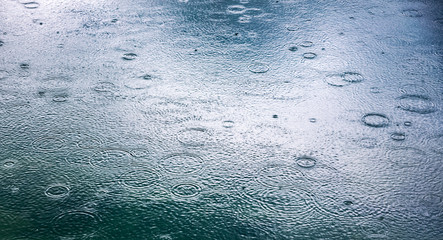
<point>221,119</point>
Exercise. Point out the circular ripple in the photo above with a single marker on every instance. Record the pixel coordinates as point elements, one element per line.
<point>31,5</point>
<point>86,141</point>
<point>417,103</point>
<point>376,120</point>
<point>140,178</point>
<point>306,44</point>
<point>306,162</point>
<point>236,9</point>
<point>104,87</point>
<point>374,229</point>
<point>419,204</point>
<point>139,83</point>
<point>194,137</point>
<point>368,142</point>
<point>111,158</point>
<point>182,163</point>
<point>398,136</point>
<point>218,17</point>
<point>336,80</point>
<point>280,176</point>
<point>79,157</point>
<point>50,143</point>
<point>129,56</point>
<point>309,55</point>
<point>75,223</point>
<point>349,200</point>
<point>352,77</point>
<point>295,202</point>
<point>411,13</point>
<point>258,67</point>
<point>57,191</point>
<point>4,74</point>
<point>186,190</point>
<point>435,143</point>
<point>407,157</point>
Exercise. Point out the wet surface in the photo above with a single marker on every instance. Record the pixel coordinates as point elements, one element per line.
<point>221,119</point>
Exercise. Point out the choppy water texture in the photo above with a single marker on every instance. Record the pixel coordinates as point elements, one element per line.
<point>192,119</point>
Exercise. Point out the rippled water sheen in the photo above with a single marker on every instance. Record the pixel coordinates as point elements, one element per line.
<point>192,119</point>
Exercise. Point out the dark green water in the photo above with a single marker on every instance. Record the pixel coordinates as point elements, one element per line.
<point>137,120</point>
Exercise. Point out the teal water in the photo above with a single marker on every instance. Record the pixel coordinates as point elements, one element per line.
<point>137,120</point>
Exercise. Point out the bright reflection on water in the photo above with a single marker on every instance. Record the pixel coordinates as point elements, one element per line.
<point>195,119</point>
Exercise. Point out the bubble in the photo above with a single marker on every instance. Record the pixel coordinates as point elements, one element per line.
<point>376,120</point>
<point>407,123</point>
<point>336,80</point>
<point>24,66</point>
<point>182,163</point>
<point>258,67</point>
<point>398,136</point>
<point>228,124</point>
<point>412,13</point>
<point>277,175</point>
<point>194,137</point>
<point>293,48</point>
<point>75,224</point>
<point>309,55</point>
<point>352,77</point>
<point>111,158</point>
<point>62,97</point>
<point>186,190</point>
<point>104,87</point>
<point>9,163</point>
<point>129,56</point>
<point>306,44</point>
<point>368,142</point>
<point>140,178</point>
<point>312,120</point>
<point>31,5</point>
<point>306,162</point>
<point>49,143</point>
<point>236,9</point>
<point>57,191</point>
<point>147,77</point>
<point>292,28</point>
<point>417,103</point>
